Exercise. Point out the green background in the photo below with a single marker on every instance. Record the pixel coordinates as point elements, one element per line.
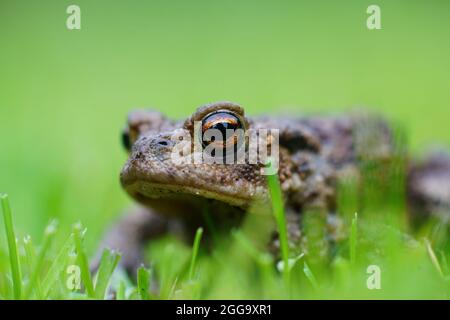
<point>64,95</point>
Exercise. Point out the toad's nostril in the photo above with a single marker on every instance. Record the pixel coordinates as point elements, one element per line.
<point>162,142</point>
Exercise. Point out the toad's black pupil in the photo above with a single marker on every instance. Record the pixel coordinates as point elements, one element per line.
<point>223,127</point>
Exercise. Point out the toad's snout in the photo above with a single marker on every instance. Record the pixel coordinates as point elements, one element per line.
<point>149,159</point>
<point>153,148</point>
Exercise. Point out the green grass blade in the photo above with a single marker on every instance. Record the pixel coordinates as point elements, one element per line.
<point>309,275</point>
<point>82,260</point>
<point>57,266</point>
<point>143,281</point>
<point>433,258</point>
<point>30,253</point>
<point>173,289</point>
<point>195,248</point>
<point>12,247</point>
<point>120,295</point>
<point>353,238</point>
<point>280,217</point>
<point>108,264</point>
<point>37,268</point>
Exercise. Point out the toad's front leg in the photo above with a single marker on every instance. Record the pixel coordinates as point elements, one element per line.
<point>130,235</point>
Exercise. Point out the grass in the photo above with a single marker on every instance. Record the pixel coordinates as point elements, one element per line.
<point>108,264</point>
<point>12,247</point>
<point>143,282</point>
<point>82,260</point>
<point>409,270</point>
<point>280,217</point>
<point>310,275</point>
<point>353,239</point>
<point>35,268</point>
<point>196,246</point>
<point>62,111</point>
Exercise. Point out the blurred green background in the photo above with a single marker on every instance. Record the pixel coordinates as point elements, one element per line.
<point>64,95</point>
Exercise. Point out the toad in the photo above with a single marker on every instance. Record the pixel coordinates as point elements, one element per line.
<point>314,153</point>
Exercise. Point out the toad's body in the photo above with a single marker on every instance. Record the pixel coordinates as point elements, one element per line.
<point>313,154</point>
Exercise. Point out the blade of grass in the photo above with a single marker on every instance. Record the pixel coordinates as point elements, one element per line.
<point>120,295</point>
<point>195,248</point>
<point>82,259</point>
<point>57,266</point>
<point>143,281</point>
<point>173,289</point>
<point>12,247</point>
<point>49,232</point>
<point>280,217</point>
<point>108,263</point>
<point>30,253</point>
<point>353,239</point>
<point>433,257</point>
<point>309,275</point>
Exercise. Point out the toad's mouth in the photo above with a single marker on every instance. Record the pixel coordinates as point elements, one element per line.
<point>151,192</point>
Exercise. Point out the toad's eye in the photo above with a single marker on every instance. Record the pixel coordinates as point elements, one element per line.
<point>221,129</point>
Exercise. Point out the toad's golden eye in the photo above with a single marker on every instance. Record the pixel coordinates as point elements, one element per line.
<point>223,125</point>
